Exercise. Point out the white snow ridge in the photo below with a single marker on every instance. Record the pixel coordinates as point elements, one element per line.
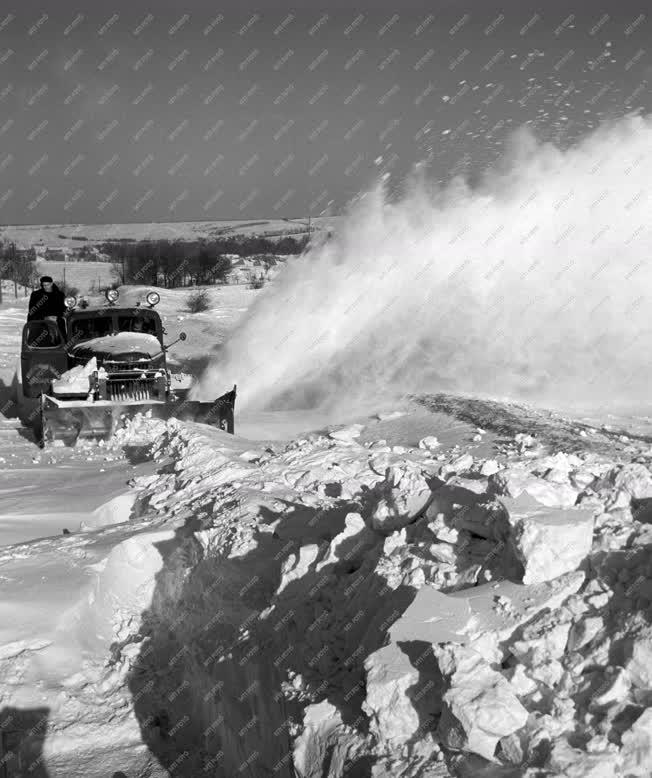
<point>335,606</point>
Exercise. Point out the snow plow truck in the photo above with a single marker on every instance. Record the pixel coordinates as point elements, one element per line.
<point>83,374</point>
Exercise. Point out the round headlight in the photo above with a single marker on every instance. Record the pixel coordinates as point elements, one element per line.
<point>153,298</point>
<point>112,295</point>
<point>70,302</point>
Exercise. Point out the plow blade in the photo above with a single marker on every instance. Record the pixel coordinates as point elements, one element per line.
<point>71,420</point>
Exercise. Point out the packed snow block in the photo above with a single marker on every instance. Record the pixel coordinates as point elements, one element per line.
<point>550,542</point>
<point>392,716</point>
<point>400,497</point>
<point>636,751</point>
<point>482,617</point>
<point>513,481</point>
<point>480,699</point>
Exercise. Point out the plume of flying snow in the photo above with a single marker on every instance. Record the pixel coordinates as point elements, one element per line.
<point>534,284</point>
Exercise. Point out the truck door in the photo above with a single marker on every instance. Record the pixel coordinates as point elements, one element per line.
<point>43,356</point>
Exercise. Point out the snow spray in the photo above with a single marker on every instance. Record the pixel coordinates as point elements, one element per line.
<point>533,284</point>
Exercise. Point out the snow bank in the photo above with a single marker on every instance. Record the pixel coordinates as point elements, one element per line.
<point>394,601</point>
<point>325,606</point>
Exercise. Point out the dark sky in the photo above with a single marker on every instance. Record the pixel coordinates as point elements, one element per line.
<point>136,111</point>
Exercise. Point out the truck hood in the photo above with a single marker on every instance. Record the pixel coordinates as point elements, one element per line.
<point>123,346</point>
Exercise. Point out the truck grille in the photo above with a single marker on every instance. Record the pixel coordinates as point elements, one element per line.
<point>111,366</point>
<point>131,389</point>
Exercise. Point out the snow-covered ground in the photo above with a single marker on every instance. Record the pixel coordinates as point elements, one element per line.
<point>450,586</point>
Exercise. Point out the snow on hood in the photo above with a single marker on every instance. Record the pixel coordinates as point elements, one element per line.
<point>76,380</point>
<point>120,343</point>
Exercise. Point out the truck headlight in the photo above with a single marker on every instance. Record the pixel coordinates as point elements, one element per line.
<point>153,298</point>
<point>70,302</point>
<point>112,295</point>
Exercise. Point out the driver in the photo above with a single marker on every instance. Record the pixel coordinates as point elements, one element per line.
<point>46,301</point>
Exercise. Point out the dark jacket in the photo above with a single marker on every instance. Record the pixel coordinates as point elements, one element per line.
<point>42,303</point>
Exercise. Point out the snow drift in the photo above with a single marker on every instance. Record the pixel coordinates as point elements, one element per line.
<point>337,606</point>
<point>530,284</point>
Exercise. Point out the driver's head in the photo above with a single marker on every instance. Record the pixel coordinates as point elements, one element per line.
<point>138,325</point>
<point>46,283</point>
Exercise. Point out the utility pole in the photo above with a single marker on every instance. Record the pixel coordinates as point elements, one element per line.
<point>14,268</point>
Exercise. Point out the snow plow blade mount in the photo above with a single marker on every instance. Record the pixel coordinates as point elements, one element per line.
<point>71,420</point>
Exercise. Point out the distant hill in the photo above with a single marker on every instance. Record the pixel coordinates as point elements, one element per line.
<point>77,235</point>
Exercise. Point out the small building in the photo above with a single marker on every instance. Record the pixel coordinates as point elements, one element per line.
<point>55,254</point>
<point>26,252</point>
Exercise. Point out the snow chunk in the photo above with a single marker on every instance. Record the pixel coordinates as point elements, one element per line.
<point>393,718</point>
<point>480,699</point>
<point>467,616</point>
<point>76,380</point>
<point>512,482</point>
<point>489,467</point>
<point>551,542</point>
<point>429,443</point>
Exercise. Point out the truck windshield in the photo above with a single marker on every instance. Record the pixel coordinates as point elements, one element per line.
<point>95,327</point>
<point>137,324</point>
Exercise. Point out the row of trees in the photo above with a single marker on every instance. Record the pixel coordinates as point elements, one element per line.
<point>17,268</point>
<point>182,263</point>
<point>242,245</point>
